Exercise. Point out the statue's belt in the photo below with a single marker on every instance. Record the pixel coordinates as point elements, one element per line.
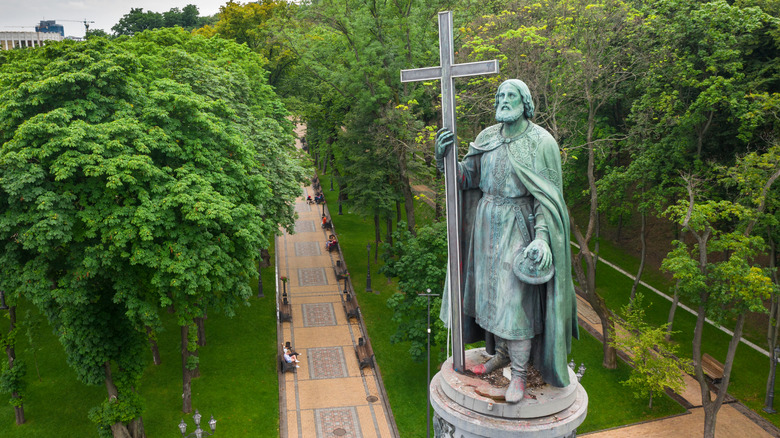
<point>517,204</point>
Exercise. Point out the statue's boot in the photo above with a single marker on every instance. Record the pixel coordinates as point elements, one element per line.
<point>519,352</point>
<point>499,360</point>
<point>494,363</point>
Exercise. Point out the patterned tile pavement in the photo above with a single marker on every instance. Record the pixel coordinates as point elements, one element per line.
<point>332,419</point>
<point>307,249</point>
<point>302,207</point>
<point>326,363</point>
<point>312,277</point>
<point>305,226</point>
<point>318,314</point>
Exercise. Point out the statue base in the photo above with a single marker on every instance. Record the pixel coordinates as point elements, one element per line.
<point>468,407</point>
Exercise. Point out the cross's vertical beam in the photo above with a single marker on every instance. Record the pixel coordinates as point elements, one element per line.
<point>451,191</point>
<point>445,72</point>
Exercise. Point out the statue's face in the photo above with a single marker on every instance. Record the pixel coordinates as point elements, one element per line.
<point>510,104</point>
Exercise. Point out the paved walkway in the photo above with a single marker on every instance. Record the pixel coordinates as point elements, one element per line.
<point>329,395</point>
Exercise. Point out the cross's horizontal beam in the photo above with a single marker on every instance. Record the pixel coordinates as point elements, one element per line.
<point>456,71</point>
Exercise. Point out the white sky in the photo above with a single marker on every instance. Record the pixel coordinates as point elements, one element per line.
<point>24,15</point>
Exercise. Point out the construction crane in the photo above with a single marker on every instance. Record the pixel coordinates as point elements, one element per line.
<point>86,23</point>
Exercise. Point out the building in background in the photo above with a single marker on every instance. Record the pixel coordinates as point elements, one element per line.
<point>50,26</point>
<point>22,40</point>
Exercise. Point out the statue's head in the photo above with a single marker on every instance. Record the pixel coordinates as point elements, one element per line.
<point>513,111</point>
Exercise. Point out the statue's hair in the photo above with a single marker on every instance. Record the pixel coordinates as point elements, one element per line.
<point>525,96</point>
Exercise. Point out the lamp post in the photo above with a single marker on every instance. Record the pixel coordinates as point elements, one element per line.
<point>368,269</point>
<point>198,433</point>
<point>770,394</point>
<point>340,213</point>
<point>428,351</point>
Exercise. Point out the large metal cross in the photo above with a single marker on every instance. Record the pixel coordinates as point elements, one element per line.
<point>445,72</point>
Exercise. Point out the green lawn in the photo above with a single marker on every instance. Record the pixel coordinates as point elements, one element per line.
<point>238,382</point>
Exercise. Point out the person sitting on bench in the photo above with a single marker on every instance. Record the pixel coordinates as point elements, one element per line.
<point>332,243</point>
<point>289,357</point>
<point>325,223</point>
<point>319,198</point>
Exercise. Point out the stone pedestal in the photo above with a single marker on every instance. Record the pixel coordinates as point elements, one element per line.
<point>467,407</point>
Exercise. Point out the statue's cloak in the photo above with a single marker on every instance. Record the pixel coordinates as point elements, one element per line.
<point>535,158</point>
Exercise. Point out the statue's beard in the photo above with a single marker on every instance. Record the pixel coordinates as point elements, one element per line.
<point>509,115</point>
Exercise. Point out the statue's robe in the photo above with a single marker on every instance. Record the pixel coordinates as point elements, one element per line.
<point>503,182</point>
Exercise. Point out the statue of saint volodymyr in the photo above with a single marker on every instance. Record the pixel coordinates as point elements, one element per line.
<point>516,253</point>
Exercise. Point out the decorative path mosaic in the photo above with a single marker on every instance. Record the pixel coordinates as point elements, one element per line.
<point>326,363</point>
<point>307,249</point>
<point>312,276</point>
<point>331,419</point>
<point>304,226</point>
<point>302,207</point>
<point>318,314</point>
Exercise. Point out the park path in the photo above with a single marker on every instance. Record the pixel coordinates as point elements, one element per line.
<point>330,395</point>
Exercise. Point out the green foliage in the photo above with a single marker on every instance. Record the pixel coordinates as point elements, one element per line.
<point>116,410</point>
<point>419,262</point>
<point>138,173</point>
<point>137,21</point>
<point>12,382</point>
<point>655,364</point>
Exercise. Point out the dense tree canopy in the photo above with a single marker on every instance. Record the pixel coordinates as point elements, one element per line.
<point>137,174</point>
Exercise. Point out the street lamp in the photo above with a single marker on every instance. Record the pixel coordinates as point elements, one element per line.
<point>428,351</point>
<point>199,433</point>
<point>368,269</point>
<point>770,395</point>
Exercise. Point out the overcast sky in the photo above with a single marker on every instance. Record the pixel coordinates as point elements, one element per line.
<point>26,14</point>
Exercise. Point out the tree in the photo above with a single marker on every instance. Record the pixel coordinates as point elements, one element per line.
<point>728,285</point>
<point>150,176</point>
<point>13,371</point>
<point>655,365</point>
<point>419,262</point>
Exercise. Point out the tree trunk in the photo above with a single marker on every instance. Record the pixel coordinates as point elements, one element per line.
<point>772,331</point>
<point>153,346</point>
<point>265,258</point>
<point>642,256</point>
<point>186,374</point>
<point>650,405</point>
<point>398,217</point>
<point>11,353</point>
<point>118,429</point>
<point>136,428</point>
<point>389,222</point>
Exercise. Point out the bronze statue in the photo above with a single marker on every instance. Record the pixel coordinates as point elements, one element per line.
<point>515,244</point>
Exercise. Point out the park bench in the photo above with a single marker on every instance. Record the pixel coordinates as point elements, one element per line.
<point>333,247</point>
<point>712,367</point>
<point>351,307</point>
<point>285,366</point>
<point>364,353</point>
<point>285,310</point>
<point>327,225</point>
<point>340,270</point>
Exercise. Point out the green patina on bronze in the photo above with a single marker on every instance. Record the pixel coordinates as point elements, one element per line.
<point>511,201</point>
